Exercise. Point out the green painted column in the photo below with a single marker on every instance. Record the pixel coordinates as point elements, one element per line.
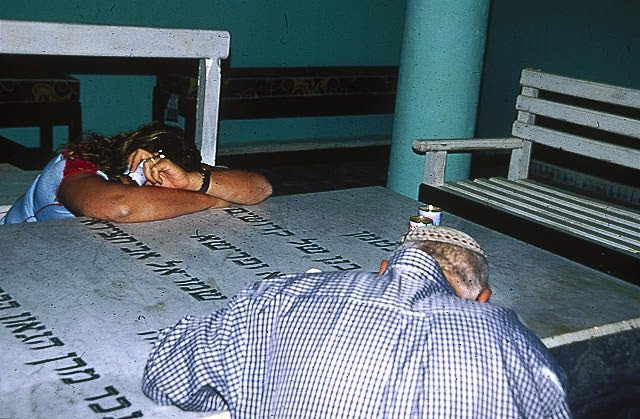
<point>438,84</point>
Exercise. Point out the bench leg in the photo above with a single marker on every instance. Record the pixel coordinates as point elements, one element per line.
<point>46,139</point>
<point>434,164</point>
<point>519,163</point>
<point>75,125</point>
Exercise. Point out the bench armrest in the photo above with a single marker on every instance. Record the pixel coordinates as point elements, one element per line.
<point>436,155</point>
<point>510,143</point>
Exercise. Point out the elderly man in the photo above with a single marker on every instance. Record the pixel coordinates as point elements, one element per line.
<point>415,340</point>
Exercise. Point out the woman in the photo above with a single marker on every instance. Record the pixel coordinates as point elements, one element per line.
<point>100,178</point>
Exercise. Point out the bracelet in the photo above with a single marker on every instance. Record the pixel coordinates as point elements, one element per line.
<point>206,179</point>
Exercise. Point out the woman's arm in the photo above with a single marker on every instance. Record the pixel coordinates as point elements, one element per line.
<point>237,186</point>
<point>85,194</point>
<point>231,185</point>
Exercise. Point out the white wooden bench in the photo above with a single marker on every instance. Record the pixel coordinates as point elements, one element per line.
<point>73,40</point>
<point>579,117</point>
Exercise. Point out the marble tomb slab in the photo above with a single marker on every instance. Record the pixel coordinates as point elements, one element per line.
<point>82,301</point>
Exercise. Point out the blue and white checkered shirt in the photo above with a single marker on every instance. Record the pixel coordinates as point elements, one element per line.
<point>357,345</point>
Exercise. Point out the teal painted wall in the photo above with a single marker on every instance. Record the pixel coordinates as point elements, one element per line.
<point>264,33</point>
<point>594,39</point>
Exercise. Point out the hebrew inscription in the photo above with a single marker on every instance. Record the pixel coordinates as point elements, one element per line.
<point>70,367</point>
<point>132,247</point>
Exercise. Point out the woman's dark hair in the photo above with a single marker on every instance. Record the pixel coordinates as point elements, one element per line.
<point>110,153</point>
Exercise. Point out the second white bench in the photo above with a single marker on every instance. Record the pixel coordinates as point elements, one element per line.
<point>579,117</point>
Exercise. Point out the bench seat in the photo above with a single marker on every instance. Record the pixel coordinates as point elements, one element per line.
<point>595,233</point>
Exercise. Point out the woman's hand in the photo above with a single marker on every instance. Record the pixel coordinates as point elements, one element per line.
<point>138,157</point>
<point>163,172</point>
<point>160,171</point>
<point>230,185</point>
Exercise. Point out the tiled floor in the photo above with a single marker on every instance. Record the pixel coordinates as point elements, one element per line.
<point>13,182</point>
<point>305,172</point>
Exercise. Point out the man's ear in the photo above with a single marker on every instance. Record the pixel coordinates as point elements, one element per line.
<point>484,295</point>
<point>383,266</point>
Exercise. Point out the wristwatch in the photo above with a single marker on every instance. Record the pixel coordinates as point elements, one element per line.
<point>206,179</point>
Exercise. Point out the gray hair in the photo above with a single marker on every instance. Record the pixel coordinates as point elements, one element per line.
<point>471,266</point>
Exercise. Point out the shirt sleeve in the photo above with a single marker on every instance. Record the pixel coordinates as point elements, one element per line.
<point>550,381</point>
<point>552,391</point>
<point>190,363</point>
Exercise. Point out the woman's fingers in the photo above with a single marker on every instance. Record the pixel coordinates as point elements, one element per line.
<point>137,157</point>
<point>152,169</point>
<point>168,174</point>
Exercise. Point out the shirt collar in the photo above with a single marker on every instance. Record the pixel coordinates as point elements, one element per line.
<point>420,270</point>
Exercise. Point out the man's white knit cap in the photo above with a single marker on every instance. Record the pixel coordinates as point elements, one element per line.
<point>443,235</point>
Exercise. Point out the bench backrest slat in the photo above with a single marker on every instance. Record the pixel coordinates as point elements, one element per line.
<point>612,153</point>
<point>590,119</point>
<point>581,88</point>
<point>580,116</point>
